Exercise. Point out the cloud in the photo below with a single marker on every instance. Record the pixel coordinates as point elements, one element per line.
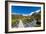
<point>37,11</point>
<point>15,13</point>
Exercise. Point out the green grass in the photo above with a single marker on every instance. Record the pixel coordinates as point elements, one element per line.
<point>13,21</point>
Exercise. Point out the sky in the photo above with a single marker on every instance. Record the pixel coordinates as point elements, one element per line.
<point>24,9</point>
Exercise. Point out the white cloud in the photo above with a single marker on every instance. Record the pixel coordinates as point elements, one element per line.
<point>25,14</point>
<point>15,13</point>
<point>37,11</point>
<point>31,13</point>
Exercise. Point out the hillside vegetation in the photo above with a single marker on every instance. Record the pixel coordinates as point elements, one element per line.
<point>25,19</point>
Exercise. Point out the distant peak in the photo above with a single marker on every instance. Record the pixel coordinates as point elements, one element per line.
<point>31,13</point>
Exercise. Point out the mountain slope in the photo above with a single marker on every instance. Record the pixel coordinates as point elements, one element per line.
<point>31,13</point>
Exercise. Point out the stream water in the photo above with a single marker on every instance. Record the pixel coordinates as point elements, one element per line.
<point>20,25</point>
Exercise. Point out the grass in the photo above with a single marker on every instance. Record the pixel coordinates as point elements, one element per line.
<point>13,21</point>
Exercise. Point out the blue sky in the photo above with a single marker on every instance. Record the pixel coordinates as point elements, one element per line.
<point>24,9</point>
